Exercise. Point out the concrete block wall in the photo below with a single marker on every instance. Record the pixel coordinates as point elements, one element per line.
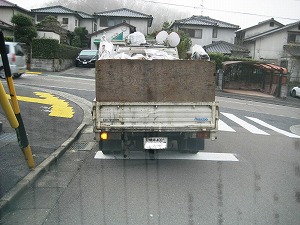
<point>51,65</point>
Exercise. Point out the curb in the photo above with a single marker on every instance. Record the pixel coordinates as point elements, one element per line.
<point>42,167</point>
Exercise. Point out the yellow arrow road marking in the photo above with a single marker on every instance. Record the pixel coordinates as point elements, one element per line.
<point>59,107</point>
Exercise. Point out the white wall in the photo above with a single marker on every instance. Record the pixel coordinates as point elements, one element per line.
<point>259,29</point>
<point>88,24</point>
<point>71,23</point>
<point>227,35</point>
<point>269,47</point>
<point>7,13</point>
<point>48,34</point>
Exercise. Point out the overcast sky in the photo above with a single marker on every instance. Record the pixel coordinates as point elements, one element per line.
<point>238,12</point>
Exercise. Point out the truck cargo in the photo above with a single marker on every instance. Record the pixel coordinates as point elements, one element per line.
<point>154,104</point>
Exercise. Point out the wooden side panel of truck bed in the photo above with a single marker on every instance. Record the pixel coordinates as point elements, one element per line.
<point>120,80</point>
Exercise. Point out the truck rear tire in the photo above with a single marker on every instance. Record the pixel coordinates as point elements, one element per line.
<point>191,145</point>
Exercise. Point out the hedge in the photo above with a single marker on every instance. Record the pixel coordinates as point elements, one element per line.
<point>51,49</point>
<point>219,58</point>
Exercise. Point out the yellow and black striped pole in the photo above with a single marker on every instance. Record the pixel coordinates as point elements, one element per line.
<point>20,129</point>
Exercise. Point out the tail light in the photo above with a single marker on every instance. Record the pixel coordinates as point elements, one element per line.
<point>13,58</point>
<point>103,136</point>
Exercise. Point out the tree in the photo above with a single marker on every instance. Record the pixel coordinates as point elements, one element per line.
<point>24,28</point>
<point>25,31</point>
<point>166,26</point>
<point>184,44</point>
<point>80,37</point>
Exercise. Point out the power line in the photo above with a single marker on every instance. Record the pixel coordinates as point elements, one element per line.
<point>219,10</point>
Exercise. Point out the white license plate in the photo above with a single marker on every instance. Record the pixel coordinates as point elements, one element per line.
<point>155,143</point>
<point>84,62</point>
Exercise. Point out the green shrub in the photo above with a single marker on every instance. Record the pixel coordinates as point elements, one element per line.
<point>219,58</point>
<point>9,38</point>
<point>51,49</point>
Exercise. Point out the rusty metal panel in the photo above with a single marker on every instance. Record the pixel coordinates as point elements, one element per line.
<point>155,81</point>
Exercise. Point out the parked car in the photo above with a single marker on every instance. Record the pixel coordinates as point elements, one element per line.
<point>87,58</point>
<point>16,59</point>
<point>295,92</point>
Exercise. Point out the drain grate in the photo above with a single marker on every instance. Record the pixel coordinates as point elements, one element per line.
<point>82,146</point>
<point>8,137</point>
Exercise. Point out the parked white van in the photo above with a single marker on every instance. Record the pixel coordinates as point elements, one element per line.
<point>16,58</point>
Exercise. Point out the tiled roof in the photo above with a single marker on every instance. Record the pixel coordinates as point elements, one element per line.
<point>273,31</point>
<point>263,22</point>
<point>85,15</point>
<point>4,3</point>
<point>124,12</point>
<point>62,10</point>
<point>110,28</point>
<point>293,50</point>
<point>205,21</point>
<point>54,9</point>
<point>224,47</point>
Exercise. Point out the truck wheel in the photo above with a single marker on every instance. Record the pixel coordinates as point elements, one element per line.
<point>110,147</point>
<point>191,145</point>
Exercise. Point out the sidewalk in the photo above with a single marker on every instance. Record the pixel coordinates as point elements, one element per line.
<point>248,92</point>
<point>15,176</point>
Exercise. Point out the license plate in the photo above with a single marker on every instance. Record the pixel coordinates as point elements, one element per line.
<point>84,62</point>
<point>155,143</point>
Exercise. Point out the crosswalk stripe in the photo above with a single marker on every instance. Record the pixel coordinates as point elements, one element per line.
<point>244,124</point>
<point>224,127</point>
<point>273,128</point>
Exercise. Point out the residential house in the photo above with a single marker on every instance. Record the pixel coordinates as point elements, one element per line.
<point>68,18</point>
<point>259,28</point>
<point>7,29</point>
<point>279,45</point>
<point>204,30</point>
<point>111,18</point>
<point>7,11</point>
<point>116,33</point>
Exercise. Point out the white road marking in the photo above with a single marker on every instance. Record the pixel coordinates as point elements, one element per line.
<point>205,156</point>
<point>224,127</point>
<point>244,124</point>
<point>273,128</point>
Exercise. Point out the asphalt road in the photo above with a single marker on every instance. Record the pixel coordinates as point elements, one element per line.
<point>260,187</point>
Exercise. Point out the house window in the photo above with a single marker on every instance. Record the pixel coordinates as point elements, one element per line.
<point>193,33</point>
<point>293,38</point>
<point>215,33</point>
<point>95,27</point>
<point>65,20</point>
<point>271,24</point>
<point>76,23</point>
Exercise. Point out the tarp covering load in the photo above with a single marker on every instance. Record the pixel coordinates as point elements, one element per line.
<point>155,81</point>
